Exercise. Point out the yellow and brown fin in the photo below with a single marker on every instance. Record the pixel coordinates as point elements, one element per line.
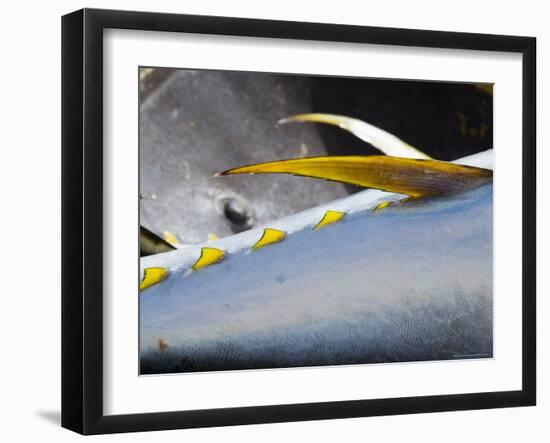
<point>152,276</point>
<point>209,256</point>
<point>329,218</point>
<point>269,237</point>
<point>412,177</point>
<point>385,142</point>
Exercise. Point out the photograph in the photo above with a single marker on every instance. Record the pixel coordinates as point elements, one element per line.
<point>288,219</point>
<point>292,221</point>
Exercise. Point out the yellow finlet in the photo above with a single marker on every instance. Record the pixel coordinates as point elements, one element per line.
<point>382,206</point>
<point>152,276</point>
<point>209,256</point>
<point>329,218</point>
<point>212,237</point>
<point>269,237</point>
<point>171,238</point>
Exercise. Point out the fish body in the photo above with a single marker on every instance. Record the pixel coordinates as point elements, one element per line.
<point>411,282</point>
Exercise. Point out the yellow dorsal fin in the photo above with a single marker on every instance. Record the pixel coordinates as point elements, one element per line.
<point>412,177</point>
<point>329,218</point>
<point>269,237</point>
<point>209,256</point>
<point>152,276</point>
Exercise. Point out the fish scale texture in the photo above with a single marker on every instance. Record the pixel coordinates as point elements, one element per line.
<point>407,283</point>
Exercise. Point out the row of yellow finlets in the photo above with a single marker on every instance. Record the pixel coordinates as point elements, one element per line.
<point>211,256</point>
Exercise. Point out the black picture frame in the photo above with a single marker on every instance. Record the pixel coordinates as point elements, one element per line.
<point>82,220</point>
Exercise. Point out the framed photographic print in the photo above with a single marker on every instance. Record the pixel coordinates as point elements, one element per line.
<point>270,221</point>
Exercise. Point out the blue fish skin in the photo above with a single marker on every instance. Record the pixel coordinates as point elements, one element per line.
<point>408,283</point>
